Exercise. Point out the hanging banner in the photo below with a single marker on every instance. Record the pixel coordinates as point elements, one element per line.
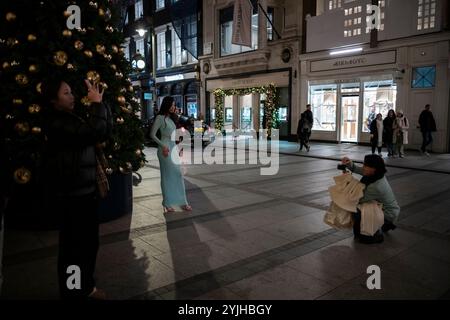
<point>242,23</point>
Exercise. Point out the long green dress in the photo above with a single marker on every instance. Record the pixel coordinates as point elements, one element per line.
<point>172,183</point>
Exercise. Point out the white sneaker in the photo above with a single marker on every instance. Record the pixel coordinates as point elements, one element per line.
<point>426,153</point>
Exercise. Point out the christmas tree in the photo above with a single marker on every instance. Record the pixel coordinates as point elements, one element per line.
<point>39,39</point>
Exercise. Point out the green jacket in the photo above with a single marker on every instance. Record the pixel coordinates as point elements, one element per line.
<point>381,192</point>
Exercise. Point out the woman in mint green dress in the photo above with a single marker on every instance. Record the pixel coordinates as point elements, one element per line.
<point>172,183</point>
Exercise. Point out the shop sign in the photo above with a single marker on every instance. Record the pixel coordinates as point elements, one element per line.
<point>365,60</point>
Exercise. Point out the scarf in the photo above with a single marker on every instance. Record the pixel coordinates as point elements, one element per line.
<point>371,179</point>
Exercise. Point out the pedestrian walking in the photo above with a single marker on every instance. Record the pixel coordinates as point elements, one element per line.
<point>303,131</point>
<point>401,133</point>
<point>427,125</point>
<point>172,183</point>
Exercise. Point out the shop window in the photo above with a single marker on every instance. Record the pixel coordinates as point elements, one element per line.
<point>191,106</point>
<point>323,104</point>
<point>426,14</point>
<point>424,77</point>
<point>270,13</point>
<point>160,4</point>
<point>161,38</point>
<point>379,97</point>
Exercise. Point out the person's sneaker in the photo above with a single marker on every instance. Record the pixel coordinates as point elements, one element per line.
<point>307,148</point>
<point>426,153</point>
<point>402,156</point>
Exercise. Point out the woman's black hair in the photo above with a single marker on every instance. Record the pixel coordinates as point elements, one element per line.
<point>165,107</point>
<point>50,88</point>
<point>376,162</point>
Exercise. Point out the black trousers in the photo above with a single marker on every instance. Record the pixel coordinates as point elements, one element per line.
<point>78,244</point>
<point>427,138</point>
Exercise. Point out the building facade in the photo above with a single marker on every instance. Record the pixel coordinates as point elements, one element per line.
<point>350,70</point>
<point>270,59</point>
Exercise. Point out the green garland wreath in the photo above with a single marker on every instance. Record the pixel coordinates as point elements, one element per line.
<point>269,104</point>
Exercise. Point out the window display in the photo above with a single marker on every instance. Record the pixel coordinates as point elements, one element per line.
<point>379,97</point>
<point>323,106</point>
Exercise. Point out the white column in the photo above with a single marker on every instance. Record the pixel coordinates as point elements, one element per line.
<point>262,25</point>
<point>236,112</point>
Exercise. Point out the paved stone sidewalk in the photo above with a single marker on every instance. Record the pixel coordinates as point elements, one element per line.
<point>258,237</point>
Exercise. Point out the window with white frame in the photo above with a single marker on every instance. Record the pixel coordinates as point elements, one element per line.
<point>126,48</point>
<point>140,46</point>
<point>226,32</point>
<point>160,4</point>
<point>334,4</point>
<point>138,9</point>
<point>176,49</point>
<point>426,14</point>
<point>161,54</point>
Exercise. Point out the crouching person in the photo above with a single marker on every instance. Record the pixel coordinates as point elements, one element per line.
<point>378,189</point>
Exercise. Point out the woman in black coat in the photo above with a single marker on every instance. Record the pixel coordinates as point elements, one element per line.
<point>72,173</point>
<point>376,133</point>
<point>389,125</point>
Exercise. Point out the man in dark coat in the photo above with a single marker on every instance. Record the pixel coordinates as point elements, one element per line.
<point>427,126</point>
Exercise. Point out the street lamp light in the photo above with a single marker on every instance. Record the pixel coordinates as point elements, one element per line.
<point>141,32</point>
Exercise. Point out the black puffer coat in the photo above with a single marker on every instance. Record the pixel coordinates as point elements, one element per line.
<point>70,156</point>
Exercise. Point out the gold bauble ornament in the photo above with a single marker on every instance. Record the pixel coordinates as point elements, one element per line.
<point>122,51</point>
<point>34,108</point>
<point>109,29</point>
<point>6,65</point>
<point>39,87</point>
<point>107,57</point>
<point>123,90</point>
<point>138,152</point>
<point>17,101</point>
<point>88,53</point>
<point>93,76</point>
<point>78,45</point>
<point>71,67</point>
<point>115,49</point>
<point>120,120</point>
<point>116,148</point>
<point>31,37</point>
<point>100,49</point>
<point>22,128</point>
<point>101,12</point>
<point>109,171</point>
<point>113,66</point>
<point>110,156</point>
<point>82,30</point>
<point>15,63</point>
<point>104,85</point>
<point>36,130</point>
<point>130,88</point>
<point>10,16</point>
<point>121,170</point>
<point>32,68</point>
<point>21,79</point>
<point>9,116</point>
<point>126,110</point>
<point>119,75</point>
<point>60,58</point>
<point>85,101</point>
<point>93,4</point>
<point>129,165</point>
<point>67,14</point>
<point>22,175</point>
<point>121,100</point>
<point>67,33</point>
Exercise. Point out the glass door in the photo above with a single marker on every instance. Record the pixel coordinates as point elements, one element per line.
<point>349,118</point>
<point>246,115</point>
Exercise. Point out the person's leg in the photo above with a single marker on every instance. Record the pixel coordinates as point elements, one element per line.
<point>78,245</point>
<point>379,150</point>
<point>357,224</point>
<point>373,149</point>
<point>429,138</point>
<point>424,141</point>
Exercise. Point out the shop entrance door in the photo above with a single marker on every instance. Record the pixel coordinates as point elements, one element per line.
<point>349,118</point>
